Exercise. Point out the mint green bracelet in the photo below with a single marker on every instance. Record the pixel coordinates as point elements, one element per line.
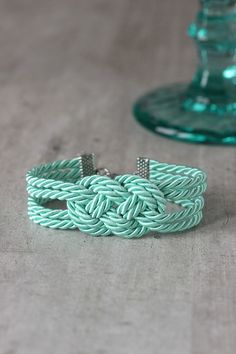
<point>129,205</point>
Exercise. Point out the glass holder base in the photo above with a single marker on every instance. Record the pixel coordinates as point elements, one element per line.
<point>163,111</point>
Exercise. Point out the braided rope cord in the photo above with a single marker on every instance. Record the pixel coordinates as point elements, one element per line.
<point>127,206</point>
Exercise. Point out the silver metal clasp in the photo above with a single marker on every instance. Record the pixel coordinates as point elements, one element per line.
<point>143,167</point>
<point>103,171</point>
<point>88,167</point>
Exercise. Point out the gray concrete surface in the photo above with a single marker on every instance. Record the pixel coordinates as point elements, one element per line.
<point>69,72</point>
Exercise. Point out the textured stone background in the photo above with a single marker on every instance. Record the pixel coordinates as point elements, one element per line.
<point>69,73</point>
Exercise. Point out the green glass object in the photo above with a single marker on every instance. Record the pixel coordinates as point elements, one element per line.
<point>203,111</point>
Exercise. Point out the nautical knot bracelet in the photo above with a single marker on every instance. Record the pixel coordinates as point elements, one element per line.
<point>129,205</point>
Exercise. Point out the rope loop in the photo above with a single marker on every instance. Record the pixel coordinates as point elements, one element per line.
<point>126,205</point>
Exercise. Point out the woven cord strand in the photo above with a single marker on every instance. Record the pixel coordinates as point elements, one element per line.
<point>127,206</point>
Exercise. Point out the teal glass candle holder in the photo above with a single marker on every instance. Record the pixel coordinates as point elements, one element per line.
<point>203,111</point>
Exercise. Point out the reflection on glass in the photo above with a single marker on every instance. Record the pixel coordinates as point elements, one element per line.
<point>205,110</point>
